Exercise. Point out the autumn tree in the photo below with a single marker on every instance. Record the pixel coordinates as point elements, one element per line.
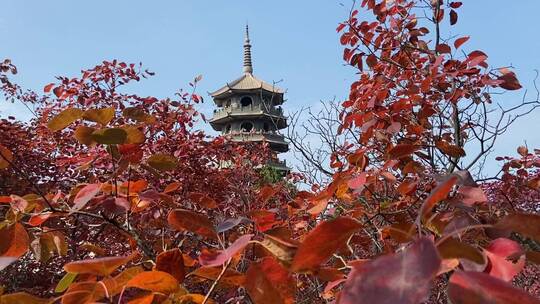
<point>147,209</point>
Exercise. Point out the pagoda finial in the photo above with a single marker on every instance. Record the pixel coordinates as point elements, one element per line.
<point>248,67</point>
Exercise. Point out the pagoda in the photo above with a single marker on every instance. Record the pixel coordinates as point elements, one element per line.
<point>249,110</point>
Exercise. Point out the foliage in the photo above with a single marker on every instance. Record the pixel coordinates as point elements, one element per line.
<point>133,204</point>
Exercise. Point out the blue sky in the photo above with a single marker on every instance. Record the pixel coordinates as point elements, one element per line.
<point>293,41</point>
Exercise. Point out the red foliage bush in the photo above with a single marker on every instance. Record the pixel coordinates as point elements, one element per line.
<point>122,200</point>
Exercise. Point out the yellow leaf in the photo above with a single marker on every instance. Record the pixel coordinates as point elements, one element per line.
<point>110,136</point>
<point>102,116</point>
<point>134,135</point>
<point>64,119</point>
<point>162,162</point>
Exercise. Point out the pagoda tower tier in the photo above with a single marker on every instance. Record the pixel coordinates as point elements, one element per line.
<point>249,109</point>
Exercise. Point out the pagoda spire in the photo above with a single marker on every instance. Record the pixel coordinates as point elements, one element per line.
<point>248,67</point>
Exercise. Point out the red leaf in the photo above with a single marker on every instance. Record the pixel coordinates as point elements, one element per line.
<point>48,87</point>
<point>266,193</point>
<point>452,248</point>
<point>320,243</point>
<point>371,60</point>
<point>264,219</point>
<point>38,219</point>
<point>460,41</point>
<point>443,48</point>
<point>211,260</point>
<point>456,4</point>
<point>476,57</point>
<point>100,266</point>
<point>402,150</point>
<point>499,265</point>
<point>453,17</point>
<point>192,221</point>
<point>477,287</point>
<point>58,91</point>
<point>358,181</point>
<point>84,195</point>
<point>203,200</point>
<point>438,194</point>
<point>472,195</point>
<point>172,262</point>
<point>509,81</point>
<point>526,224</point>
<point>396,278</point>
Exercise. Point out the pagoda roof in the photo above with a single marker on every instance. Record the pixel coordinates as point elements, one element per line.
<point>247,82</point>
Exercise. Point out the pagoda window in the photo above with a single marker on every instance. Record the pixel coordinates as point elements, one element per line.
<point>246,101</point>
<point>266,127</point>
<point>228,129</point>
<point>246,126</point>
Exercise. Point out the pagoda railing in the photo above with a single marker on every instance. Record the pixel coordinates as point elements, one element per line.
<point>257,136</point>
<point>247,110</point>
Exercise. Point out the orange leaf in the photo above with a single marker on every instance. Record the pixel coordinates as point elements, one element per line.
<point>192,221</point>
<point>145,299</point>
<point>156,281</point>
<point>99,266</point>
<point>192,298</point>
<point>136,186</point>
<point>116,284</point>
<point>230,277</point>
<point>172,187</point>
<point>84,292</point>
<point>438,194</point>
<point>14,242</point>
<point>23,298</point>
<point>448,149</point>
<point>268,282</point>
<point>320,243</point>
<point>6,157</point>
<point>172,262</point>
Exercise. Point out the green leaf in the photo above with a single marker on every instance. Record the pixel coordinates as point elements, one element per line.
<point>64,283</point>
<point>64,119</point>
<point>110,136</point>
<point>162,162</point>
<point>102,116</point>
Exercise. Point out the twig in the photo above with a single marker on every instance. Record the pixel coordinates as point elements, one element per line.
<point>216,281</point>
